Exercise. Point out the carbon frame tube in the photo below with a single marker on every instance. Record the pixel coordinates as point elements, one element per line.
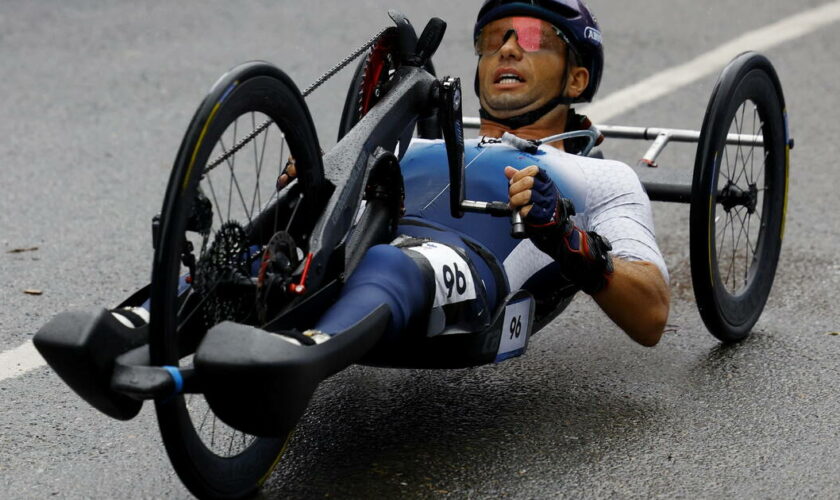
<point>346,163</point>
<point>675,193</point>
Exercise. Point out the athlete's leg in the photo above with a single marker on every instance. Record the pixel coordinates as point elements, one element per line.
<point>385,275</point>
<point>431,278</point>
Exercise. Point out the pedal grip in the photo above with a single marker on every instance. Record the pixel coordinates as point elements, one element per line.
<point>261,384</point>
<point>430,39</point>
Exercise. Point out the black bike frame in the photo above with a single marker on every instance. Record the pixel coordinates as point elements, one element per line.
<point>347,164</point>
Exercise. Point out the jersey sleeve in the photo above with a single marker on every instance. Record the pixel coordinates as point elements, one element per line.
<point>618,209</point>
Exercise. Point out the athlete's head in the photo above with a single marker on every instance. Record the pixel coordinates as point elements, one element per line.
<point>535,55</point>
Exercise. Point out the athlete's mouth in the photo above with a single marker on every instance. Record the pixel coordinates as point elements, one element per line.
<point>508,77</point>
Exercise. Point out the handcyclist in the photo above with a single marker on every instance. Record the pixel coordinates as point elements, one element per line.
<point>588,221</point>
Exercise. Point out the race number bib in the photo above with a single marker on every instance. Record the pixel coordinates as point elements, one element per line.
<point>516,329</point>
<point>453,279</point>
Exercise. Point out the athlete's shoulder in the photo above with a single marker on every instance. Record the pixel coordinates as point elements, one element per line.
<point>586,162</point>
<point>606,173</point>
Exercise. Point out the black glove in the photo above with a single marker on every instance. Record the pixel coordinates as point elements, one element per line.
<point>583,255</point>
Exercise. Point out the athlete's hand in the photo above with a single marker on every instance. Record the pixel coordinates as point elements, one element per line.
<point>535,195</point>
<point>289,173</point>
<point>583,255</point>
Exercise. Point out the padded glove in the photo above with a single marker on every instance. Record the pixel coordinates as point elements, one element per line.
<point>583,255</point>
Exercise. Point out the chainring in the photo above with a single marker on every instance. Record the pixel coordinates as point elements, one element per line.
<point>380,64</point>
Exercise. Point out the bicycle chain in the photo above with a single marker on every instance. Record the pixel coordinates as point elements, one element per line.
<point>317,83</point>
<point>343,63</point>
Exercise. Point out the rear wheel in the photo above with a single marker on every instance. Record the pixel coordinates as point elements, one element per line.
<point>739,195</point>
<point>222,207</point>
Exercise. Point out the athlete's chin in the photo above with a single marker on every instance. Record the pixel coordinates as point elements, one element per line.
<point>507,105</point>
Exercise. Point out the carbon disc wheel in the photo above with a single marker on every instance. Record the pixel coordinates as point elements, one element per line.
<point>739,195</point>
<point>222,207</point>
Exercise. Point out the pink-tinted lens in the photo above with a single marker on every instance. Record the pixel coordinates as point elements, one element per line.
<point>529,33</point>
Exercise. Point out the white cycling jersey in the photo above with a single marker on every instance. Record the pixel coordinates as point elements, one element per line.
<point>614,206</point>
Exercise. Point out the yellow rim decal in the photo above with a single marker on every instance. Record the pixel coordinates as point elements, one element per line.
<point>197,146</point>
<point>276,460</point>
<point>711,271</point>
<point>787,175</point>
<point>711,221</point>
<point>203,132</point>
<point>785,202</point>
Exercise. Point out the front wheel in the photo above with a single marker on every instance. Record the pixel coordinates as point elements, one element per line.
<point>739,194</point>
<point>222,208</point>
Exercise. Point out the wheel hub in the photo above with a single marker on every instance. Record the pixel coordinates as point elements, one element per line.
<point>732,196</point>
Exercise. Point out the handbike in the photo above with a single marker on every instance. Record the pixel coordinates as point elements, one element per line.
<point>234,265</point>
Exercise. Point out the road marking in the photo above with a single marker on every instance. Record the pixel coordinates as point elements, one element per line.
<point>19,360</point>
<point>706,64</point>
<point>25,358</point>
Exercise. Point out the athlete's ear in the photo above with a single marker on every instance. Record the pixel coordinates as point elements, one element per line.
<point>578,81</point>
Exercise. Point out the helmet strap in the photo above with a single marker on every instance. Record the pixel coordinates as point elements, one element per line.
<point>528,118</point>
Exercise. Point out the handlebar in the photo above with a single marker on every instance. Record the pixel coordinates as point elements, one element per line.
<point>414,52</point>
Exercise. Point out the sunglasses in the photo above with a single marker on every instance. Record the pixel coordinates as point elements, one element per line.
<point>531,34</point>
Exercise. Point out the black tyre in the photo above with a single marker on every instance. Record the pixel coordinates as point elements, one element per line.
<point>370,82</point>
<point>221,208</point>
<point>739,196</point>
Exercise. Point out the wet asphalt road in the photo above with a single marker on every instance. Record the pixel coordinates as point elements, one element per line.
<point>97,95</point>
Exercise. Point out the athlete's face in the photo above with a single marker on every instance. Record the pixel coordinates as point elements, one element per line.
<point>521,66</point>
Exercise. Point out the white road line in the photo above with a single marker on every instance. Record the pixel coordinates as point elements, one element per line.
<point>674,78</point>
<point>19,360</point>
<point>25,358</point>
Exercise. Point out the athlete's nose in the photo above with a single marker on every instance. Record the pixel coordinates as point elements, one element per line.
<point>510,47</point>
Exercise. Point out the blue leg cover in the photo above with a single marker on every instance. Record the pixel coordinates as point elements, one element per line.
<point>385,275</point>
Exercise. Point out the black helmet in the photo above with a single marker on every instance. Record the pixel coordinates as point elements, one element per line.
<point>572,17</point>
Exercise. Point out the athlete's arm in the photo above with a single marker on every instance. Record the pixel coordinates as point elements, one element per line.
<point>634,294</point>
<point>637,300</point>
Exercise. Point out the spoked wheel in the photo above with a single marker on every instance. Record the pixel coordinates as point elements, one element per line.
<point>222,208</point>
<point>370,82</point>
<point>739,196</point>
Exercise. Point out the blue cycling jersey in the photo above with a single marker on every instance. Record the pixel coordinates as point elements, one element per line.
<point>426,174</point>
<point>607,195</point>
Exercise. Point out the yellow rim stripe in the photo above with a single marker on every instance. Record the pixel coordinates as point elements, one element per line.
<point>787,175</point>
<point>203,133</point>
<point>276,460</point>
<point>197,146</point>
<point>711,222</point>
